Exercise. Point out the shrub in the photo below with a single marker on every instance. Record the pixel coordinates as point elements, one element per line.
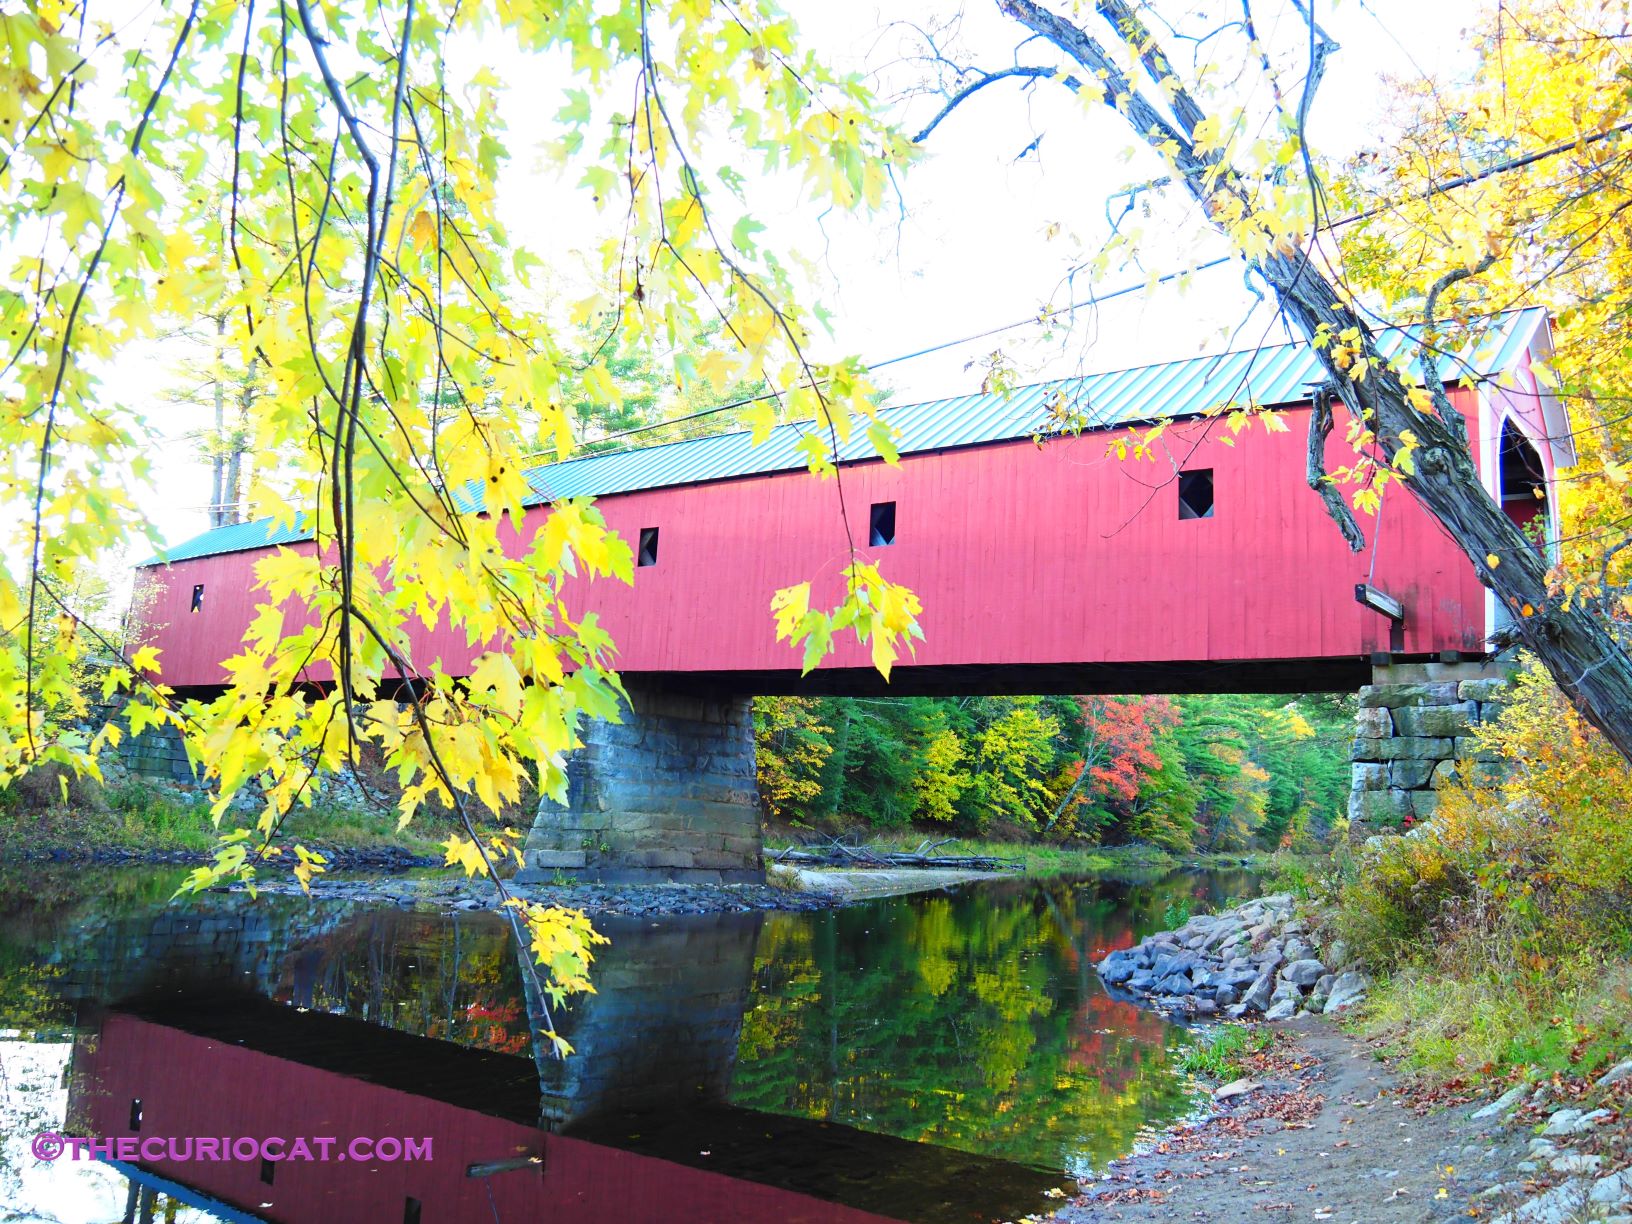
<point>1544,861</point>
<point>784,877</point>
<point>1506,921</point>
<point>1178,912</point>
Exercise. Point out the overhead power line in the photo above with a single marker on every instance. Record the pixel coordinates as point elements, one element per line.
<point>1465,180</point>
<point>1041,317</point>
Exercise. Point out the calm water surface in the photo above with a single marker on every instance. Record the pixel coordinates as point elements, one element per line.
<point>937,1057</point>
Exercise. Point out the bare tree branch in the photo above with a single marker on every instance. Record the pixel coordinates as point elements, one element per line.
<point>988,78</point>
<point>1428,357</point>
<point>1320,428</point>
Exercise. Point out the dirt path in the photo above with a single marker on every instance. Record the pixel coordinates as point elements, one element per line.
<point>1327,1136</point>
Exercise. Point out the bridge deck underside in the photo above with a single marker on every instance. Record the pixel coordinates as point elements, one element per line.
<point>1018,680</point>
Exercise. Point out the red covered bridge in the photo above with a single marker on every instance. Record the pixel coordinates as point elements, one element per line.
<point>1044,562</point>
<point>1042,567</point>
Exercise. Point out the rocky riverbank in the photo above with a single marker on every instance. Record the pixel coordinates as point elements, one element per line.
<point>1320,1128</point>
<point>340,858</point>
<point>1258,959</point>
<point>452,893</point>
<point>1554,1152</point>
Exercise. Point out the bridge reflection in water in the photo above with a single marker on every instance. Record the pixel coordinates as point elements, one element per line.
<point>636,1127</point>
<point>940,1057</point>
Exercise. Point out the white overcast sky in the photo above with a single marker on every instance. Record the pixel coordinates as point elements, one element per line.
<point>966,249</point>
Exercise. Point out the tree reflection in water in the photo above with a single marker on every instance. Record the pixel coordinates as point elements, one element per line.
<point>973,1021</point>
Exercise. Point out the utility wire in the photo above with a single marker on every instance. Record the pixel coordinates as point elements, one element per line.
<point>934,348</point>
<point>1465,180</point>
<point>1516,163</point>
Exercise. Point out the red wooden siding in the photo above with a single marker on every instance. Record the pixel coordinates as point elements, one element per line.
<point>1051,556</point>
<point>195,1086</point>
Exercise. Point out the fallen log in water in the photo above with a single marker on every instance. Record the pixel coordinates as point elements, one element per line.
<point>839,855</point>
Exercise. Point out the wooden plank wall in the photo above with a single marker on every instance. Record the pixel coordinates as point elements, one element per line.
<point>1022,554</point>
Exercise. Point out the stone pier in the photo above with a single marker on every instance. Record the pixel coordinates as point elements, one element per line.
<point>1413,734</point>
<point>668,794</point>
<point>660,1033</point>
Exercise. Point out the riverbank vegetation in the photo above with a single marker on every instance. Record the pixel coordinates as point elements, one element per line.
<point>1178,774</point>
<point>1503,927</point>
<point>138,816</point>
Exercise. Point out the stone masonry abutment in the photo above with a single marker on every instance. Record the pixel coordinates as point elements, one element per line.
<point>668,794</point>
<point>1414,732</point>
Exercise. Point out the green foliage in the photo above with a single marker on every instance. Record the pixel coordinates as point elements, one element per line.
<point>1217,1052</point>
<point>1297,874</point>
<point>137,814</point>
<point>650,402</point>
<point>1178,912</point>
<point>1208,773</point>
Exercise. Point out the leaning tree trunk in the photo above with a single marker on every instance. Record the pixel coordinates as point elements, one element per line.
<point>1571,640</point>
<point>1587,663</point>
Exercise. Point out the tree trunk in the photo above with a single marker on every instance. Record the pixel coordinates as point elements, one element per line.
<point>1570,640</point>
<point>1090,758</point>
<point>232,511</point>
<point>218,439</point>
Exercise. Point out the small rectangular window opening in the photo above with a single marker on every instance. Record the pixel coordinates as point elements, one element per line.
<point>135,1113</point>
<point>881,525</point>
<point>269,1170</point>
<point>1196,494</point>
<point>648,546</point>
<point>198,598</point>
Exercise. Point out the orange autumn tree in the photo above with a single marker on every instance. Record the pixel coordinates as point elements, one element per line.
<point>1118,757</point>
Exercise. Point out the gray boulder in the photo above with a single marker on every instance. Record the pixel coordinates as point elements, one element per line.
<point>1574,1121</point>
<point>1509,1100</point>
<point>1176,962</point>
<point>1347,991</point>
<point>1284,1010</point>
<point>1560,1205</point>
<point>1258,995</point>
<point>1303,973</point>
<point>1298,948</point>
<point>1118,967</point>
<point>1612,1191</point>
<point>1617,1074</point>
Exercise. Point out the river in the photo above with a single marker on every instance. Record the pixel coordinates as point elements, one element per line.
<point>946,1056</point>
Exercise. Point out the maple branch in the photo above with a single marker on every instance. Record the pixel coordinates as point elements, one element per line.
<point>65,355</point>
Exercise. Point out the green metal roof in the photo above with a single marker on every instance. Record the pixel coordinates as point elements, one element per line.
<point>239,537</point>
<point>1270,376</point>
